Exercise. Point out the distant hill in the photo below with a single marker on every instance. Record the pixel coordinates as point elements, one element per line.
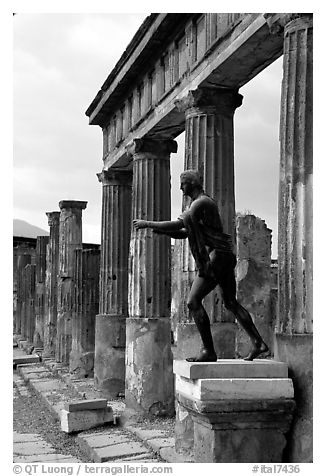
<point>25,229</point>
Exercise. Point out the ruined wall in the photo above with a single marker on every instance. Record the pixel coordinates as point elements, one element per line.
<point>254,279</point>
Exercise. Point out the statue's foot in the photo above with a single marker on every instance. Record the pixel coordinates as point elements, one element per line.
<point>258,349</point>
<point>204,356</point>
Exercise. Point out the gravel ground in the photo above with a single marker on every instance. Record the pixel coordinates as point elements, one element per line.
<point>31,415</point>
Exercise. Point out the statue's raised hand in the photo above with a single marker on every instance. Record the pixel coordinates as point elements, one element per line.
<point>138,224</point>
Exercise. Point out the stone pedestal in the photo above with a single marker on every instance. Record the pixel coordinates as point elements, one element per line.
<point>110,327</point>
<point>209,148</point>
<point>70,239</point>
<point>51,285</point>
<point>149,377</point>
<point>233,411</point>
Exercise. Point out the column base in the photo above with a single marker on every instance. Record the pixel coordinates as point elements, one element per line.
<point>149,376</point>
<point>242,418</point>
<point>189,341</point>
<point>109,360</point>
<point>297,351</point>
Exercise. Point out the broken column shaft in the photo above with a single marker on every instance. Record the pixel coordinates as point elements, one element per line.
<point>84,310</point>
<point>40,290</point>
<point>52,266</point>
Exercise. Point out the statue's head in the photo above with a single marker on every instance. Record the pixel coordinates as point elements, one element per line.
<point>190,180</point>
<point>193,177</point>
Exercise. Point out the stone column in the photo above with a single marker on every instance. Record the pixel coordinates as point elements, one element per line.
<point>24,257</point>
<point>40,277</point>
<point>51,285</point>
<point>85,307</point>
<point>209,148</point>
<point>149,378</point>
<point>294,324</point>
<point>110,329</point>
<point>70,239</point>
<point>29,295</point>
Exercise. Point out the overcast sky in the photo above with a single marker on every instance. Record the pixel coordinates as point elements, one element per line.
<point>60,62</point>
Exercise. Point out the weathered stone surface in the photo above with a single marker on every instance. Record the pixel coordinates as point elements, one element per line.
<point>70,239</point>
<point>85,304</point>
<point>85,419</point>
<point>240,446</point>
<point>108,453</point>
<point>110,326</point>
<point>149,377</point>
<point>297,351</point>
<point>85,405</point>
<point>189,342</point>
<point>235,388</point>
<point>231,368</point>
<point>47,458</point>
<point>33,448</point>
<point>51,285</point>
<point>254,279</point>
<point>109,363</point>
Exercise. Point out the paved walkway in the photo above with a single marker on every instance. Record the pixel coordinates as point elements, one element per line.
<point>112,443</point>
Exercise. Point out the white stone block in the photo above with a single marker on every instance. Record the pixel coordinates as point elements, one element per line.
<point>235,388</point>
<point>85,419</point>
<point>231,368</point>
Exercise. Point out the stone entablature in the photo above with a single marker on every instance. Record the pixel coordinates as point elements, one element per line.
<point>158,67</point>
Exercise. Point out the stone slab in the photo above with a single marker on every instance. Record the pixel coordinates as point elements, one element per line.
<point>146,434</point>
<point>111,452</point>
<point>47,385</point>
<point>23,437</point>
<point>79,405</point>
<point>235,389</point>
<point>50,458</point>
<point>33,448</point>
<point>231,368</point>
<point>102,440</point>
<point>157,443</point>
<point>26,359</point>
<point>85,419</point>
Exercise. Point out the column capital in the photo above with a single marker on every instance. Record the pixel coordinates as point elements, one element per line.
<point>152,146</point>
<point>53,218</point>
<point>115,177</point>
<point>278,23</point>
<point>211,99</point>
<point>72,204</point>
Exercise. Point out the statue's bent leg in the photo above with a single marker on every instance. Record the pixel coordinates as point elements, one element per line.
<point>200,288</point>
<point>228,286</point>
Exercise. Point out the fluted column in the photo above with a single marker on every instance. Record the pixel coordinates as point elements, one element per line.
<point>40,277</point>
<point>209,148</point>
<point>295,206</point>
<point>293,339</point>
<point>149,379</point>
<point>70,239</point>
<point>51,285</point>
<point>110,329</point>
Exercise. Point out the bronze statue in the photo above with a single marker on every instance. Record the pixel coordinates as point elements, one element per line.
<point>215,261</point>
